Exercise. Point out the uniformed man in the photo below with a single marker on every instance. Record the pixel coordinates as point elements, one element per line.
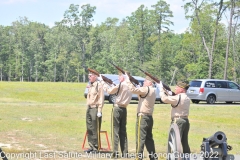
<point>144,125</point>
<point>95,101</point>
<point>180,104</point>
<point>119,116</point>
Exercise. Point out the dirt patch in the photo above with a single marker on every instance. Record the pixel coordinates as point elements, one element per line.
<point>26,119</point>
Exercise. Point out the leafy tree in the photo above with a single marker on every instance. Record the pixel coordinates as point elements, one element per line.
<point>201,11</point>
<point>31,51</point>
<point>233,11</point>
<point>161,15</point>
<point>22,37</point>
<point>139,25</point>
<point>162,48</point>
<point>37,51</point>
<point>79,27</point>
<point>6,56</point>
<point>235,35</point>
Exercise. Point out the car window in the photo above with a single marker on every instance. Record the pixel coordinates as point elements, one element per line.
<point>210,84</point>
<point>221,84</point>
<point>232,85</point>
<point>195,83</point>
<point>116,81</point>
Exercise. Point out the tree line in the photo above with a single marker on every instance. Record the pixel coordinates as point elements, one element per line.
<point>32,51</point>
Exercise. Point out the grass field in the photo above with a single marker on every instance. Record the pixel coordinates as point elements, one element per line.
<point>48,118</point>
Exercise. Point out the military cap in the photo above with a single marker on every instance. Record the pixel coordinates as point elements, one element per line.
<point>183,85</point>
<point>91,71</point>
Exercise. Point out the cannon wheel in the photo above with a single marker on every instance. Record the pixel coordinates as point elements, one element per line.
<point>174,143</point>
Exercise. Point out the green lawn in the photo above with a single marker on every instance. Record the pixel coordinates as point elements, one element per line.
<point>50,117</point>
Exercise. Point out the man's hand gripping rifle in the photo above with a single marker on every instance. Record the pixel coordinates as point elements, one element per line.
<point>105,79</point>
<point>165,87</point>
<point>133,80</point>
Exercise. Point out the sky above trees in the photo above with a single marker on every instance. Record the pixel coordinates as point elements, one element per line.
<point>48,12</point>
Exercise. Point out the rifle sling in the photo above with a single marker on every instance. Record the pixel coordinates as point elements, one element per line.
<point>146,94</point>
<point>178,101</point>
<point>96,87</point>
<point>118,89</point>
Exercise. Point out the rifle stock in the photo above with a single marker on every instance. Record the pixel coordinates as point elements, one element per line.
<point>105,79</point>
<point>165,87</point>
<point>131,78</point>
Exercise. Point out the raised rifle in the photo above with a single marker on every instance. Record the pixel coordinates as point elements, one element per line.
<point>131,78</point>
<point>105,79</point>
<point>165,87</point>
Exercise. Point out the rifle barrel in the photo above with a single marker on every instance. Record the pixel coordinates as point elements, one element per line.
<point>157,80</point>
<point>131,78</point>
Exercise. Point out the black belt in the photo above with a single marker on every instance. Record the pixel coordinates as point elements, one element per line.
<point>116,105</point>
<point>178,117</point>
<point>144,114</point>
<point>92,106</point>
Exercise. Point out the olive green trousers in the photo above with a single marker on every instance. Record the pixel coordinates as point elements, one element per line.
<point>144,136</point>
<point>93,128</point>
<point>119,131</point>
<point>184,126</point>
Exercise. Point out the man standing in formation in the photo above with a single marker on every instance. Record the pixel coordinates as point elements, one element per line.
<point>144,125</point>
<point>180,110</point>
<point>95,101</point>
<point>119,116</point>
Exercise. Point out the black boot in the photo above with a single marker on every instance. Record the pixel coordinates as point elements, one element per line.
<point>88,150</point>
<point>94,151</point>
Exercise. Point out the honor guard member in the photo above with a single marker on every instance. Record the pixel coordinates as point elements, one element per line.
<point>119,115</point>
<point>180,110</point>
<point>95,102</point>
<point>144,124</point>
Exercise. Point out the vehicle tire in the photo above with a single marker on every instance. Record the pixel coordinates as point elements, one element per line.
<point>195,101</point>
<point>112,98</point>
<point>229,102</point>
<point>211,99</point>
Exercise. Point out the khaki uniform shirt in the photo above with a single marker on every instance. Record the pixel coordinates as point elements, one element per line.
<point>124,95</point>
<point>95,97</point>
<point>145,105</point>
<point>183,107</point>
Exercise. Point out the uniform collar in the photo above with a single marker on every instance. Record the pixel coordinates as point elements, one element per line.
<point>93,83</point>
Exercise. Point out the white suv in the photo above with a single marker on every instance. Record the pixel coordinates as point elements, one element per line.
<point>212,90</point>
<point>115,79</point>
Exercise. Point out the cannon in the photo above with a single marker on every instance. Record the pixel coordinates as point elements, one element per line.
<point>215,147</point>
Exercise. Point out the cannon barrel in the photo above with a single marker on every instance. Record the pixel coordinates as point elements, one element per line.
<point>217,138</point>
<point>216,145</point>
